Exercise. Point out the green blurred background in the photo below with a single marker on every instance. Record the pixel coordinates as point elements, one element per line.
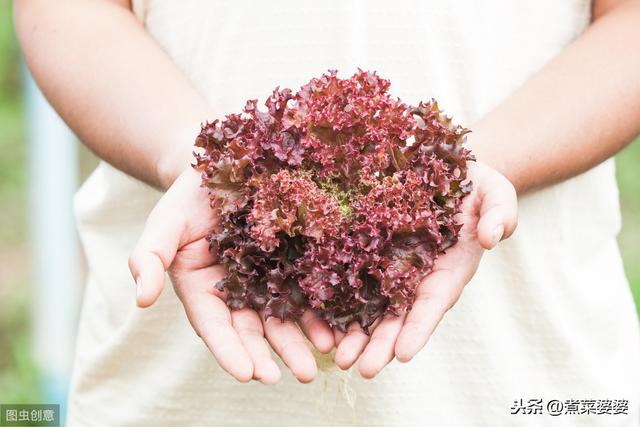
<point>19,379</point>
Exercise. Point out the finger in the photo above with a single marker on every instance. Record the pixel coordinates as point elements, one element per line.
<point>289,343</point>
<point>165,231</point>
<point>338,335</point>
<point>148,271</point>
<point>155,251</point>
<point>498,213</point>
<point>210,318</point>
<point>434,297</point>
<point>351,346</point>
<point>381,348</point>
<point>317,330</point>
<point>249,327</point>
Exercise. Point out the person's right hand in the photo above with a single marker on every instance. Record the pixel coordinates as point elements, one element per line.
<point>174,240</point>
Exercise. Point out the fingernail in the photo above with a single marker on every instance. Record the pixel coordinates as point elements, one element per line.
<point>498,232</point>
<point>404,359</point>
<point>138,287</point>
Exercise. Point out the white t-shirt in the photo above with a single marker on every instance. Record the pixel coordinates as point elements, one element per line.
<point>548,316</point>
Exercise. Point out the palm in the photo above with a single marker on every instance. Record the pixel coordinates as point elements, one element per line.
<point>489,213</point>
<point>175,241</point>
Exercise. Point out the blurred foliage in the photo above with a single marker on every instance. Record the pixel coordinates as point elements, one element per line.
<point>9,72</point>
<point>19,379</point>
<point>18,374</point>
<point>12,178</point>
<point>628,172</point>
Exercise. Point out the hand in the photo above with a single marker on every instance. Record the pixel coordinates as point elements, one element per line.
<point>489,214</point>
<point>174,240</point>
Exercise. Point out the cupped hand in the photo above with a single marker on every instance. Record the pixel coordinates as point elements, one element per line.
<point>489,214</point>
<point>174,241</point>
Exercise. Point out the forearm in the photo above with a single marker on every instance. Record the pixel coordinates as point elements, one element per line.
<point>112,84</point>
<point>577,111</point>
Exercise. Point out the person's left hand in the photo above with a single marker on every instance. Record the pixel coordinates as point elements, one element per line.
<point>489,214</point>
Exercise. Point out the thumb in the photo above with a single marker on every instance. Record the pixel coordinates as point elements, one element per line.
<point>498,210</point>
<point>156,250</point>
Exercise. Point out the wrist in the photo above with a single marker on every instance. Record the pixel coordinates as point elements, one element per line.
<point>489,151</point>
<point>177,156</point>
